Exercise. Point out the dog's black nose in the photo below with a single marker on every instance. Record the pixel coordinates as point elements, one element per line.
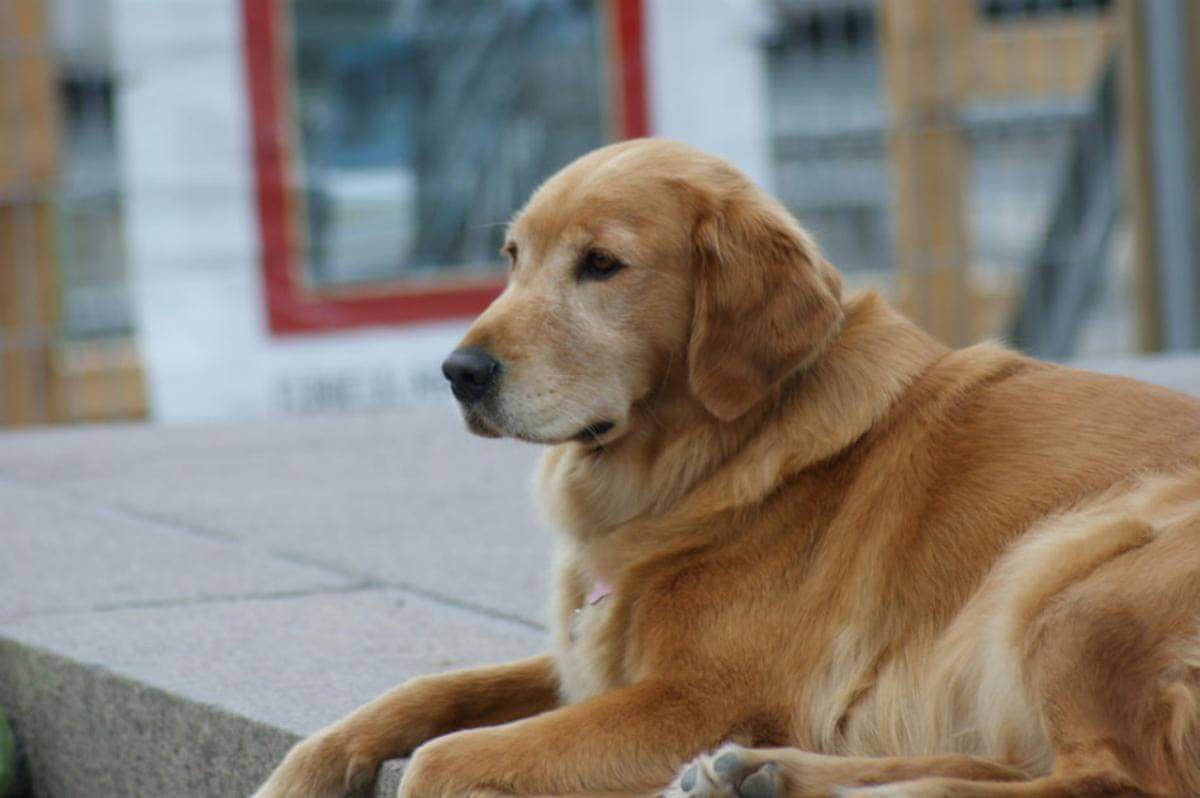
<point>471,372</point>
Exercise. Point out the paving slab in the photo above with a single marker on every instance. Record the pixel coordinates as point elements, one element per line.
<point>57,555</point>
<point>410,499</point>
<point>179,605</point>
<point>1179,371</point>
<point>295,662</point>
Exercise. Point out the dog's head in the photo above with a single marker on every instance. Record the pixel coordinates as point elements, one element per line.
<point>637,262</point>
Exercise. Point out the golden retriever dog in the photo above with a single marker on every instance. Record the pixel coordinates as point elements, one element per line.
<point>803,548</point>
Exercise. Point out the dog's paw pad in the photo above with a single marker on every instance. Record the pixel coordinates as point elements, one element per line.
<point>687,780</point>
<point>762,783</point>
<point>726,763</point>
<point>731,772</point>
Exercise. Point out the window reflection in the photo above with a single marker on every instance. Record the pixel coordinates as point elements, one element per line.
<point>422,125</point>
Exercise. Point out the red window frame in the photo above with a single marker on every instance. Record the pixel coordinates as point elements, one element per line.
<point>292,306</point>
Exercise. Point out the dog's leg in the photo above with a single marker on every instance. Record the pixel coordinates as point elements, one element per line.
<point>735,771</point>
<point>342,758</point>
<point>1081,785</point>
<point>628,741</point>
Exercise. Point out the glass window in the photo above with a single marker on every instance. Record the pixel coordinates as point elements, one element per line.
<point>420,126</point>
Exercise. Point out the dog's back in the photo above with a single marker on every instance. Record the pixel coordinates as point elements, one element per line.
<point>998,484</point>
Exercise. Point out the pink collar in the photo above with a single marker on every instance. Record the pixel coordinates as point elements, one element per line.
<point>600,590</point>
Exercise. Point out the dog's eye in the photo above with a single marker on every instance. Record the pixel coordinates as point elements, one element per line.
<point>597,265</point>
<point>510,252</point>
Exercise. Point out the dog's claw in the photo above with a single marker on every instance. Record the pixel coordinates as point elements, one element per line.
<point>688,780</point>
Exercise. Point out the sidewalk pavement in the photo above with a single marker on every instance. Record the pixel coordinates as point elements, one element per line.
<point>178,605</point>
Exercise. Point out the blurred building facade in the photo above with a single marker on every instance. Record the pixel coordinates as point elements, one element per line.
<point>249,207</point>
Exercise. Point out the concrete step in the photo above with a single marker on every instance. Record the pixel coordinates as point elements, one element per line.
<point>178,606</point>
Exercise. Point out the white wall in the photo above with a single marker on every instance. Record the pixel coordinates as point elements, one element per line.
<point>192,230</point>
<point>708,79</point>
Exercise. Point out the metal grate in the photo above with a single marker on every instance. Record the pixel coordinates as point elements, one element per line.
<point>923,143</point>
<point>65,323</point>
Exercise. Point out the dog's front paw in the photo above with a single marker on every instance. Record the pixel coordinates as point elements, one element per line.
<point>442,768</point>
<point>322,766</point>
<point>731,772</point>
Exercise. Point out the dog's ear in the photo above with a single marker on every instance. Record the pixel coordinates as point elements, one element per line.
<point>765,305</point>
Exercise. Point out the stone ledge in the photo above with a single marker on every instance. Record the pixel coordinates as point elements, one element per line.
<point>87,728</point>
<point>95,730</point>
<point>179,605</point>
<point>150,741</point>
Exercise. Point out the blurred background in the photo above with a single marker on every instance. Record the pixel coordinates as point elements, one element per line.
<point>216,209</point>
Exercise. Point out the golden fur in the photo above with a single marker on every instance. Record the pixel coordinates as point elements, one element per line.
<point>866,564</point>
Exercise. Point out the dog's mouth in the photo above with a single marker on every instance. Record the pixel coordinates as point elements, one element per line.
<point>481,426</point>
